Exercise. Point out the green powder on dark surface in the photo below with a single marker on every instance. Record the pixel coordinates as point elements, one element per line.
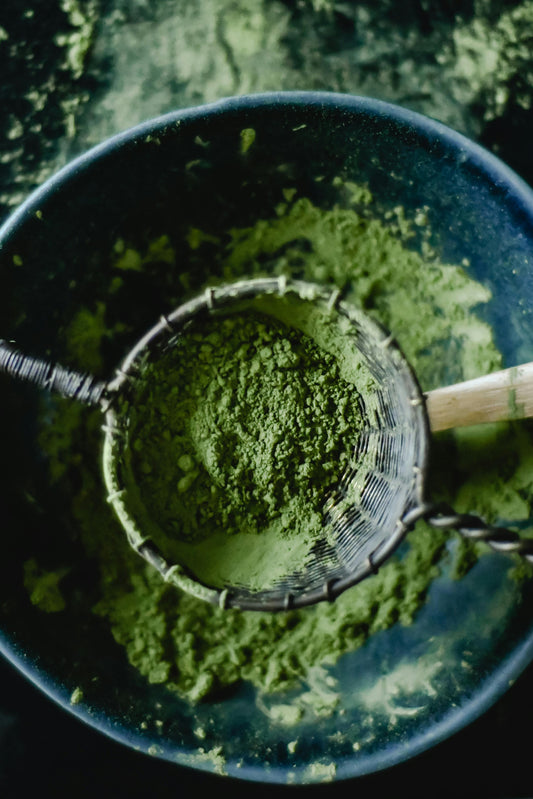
<point>44,586</point>
<point>196,649</point>
<point>241,429</point>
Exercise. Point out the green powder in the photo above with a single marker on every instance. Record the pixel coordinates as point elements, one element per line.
<point>196,649</point>
<point>489,59</point>
<point>241,429</point>
<point>44,586</point>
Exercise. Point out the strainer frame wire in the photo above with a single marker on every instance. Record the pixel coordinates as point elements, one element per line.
<point>168,325</point>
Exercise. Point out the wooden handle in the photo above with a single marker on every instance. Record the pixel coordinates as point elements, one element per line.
<point>497,397</point>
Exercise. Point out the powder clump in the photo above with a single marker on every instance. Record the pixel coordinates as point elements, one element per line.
<point>43,586</point>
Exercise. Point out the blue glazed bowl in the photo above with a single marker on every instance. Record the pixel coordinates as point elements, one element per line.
<point>189,169</point>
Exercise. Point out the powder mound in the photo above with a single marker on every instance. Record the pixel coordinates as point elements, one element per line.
<point>245,423</point>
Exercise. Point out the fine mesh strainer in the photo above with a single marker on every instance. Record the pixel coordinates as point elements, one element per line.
<point>381,493</point>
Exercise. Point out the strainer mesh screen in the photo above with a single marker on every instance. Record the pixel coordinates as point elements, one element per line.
<point>383,480</point>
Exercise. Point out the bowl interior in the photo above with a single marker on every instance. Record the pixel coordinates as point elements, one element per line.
<point>213,170</point>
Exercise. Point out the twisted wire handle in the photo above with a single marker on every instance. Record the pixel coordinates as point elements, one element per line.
<point>52,377</point>
<point>500,539</point>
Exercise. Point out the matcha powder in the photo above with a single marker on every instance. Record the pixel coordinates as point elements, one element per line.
<point>241,429</point>
<point>186,644</point>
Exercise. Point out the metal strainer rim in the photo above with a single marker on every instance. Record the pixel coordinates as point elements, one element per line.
<point>213,298</point>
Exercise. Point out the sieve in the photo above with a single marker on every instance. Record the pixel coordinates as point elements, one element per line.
<point>382,492</point>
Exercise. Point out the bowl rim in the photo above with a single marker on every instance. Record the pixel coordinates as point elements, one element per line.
<point>517,193</point>
<point>500,174</point>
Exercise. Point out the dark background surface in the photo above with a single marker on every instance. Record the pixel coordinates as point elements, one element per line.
<point>73,73</point>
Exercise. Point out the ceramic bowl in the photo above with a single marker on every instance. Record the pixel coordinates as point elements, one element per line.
<point>195,170</point>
